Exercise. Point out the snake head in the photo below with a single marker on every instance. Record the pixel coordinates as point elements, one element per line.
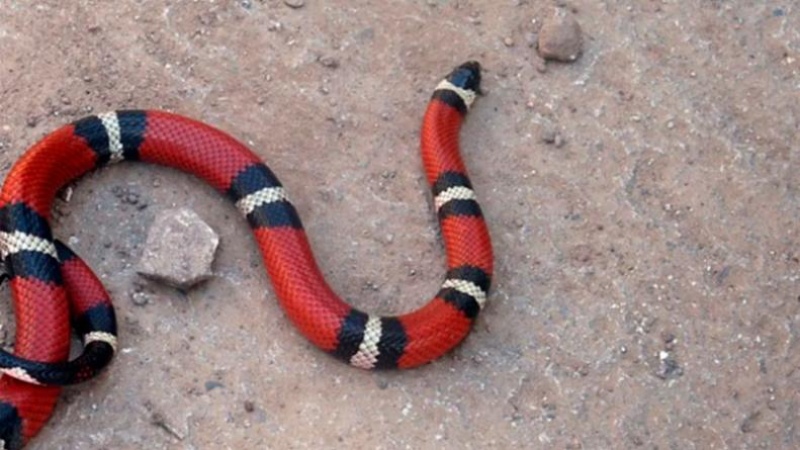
<point>467,76</point>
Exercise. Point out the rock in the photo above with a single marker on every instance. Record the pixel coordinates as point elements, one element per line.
<point>561,38</point>
<point>140,298</point>
<point>553,137</point>
<point>212,384</point>
<point>748,425</point>
<point>179,250</point>
<point>329,62</point>
<point>668,367</point>
<point>294,4</point>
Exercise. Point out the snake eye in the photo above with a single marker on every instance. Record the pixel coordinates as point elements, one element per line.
<point>467,76</point>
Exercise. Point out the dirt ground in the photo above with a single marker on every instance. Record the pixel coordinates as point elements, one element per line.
<point>643,202</point>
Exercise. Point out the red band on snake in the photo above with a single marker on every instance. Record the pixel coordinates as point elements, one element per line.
<point>50,284</point>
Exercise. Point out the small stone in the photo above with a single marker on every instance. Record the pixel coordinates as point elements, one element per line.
<point>140,298</point>
<point>212,384</point>
<point>294,4</point>
<point>249,406</point>
<point>509,42</point>
<point>748,425</point>
<point>668,367</point>
<point>329,62</point>
<point>32,121</point>
<point>560,38</point>
<point>66,194</point>
<point>179,250</point>
<point>553,137</point>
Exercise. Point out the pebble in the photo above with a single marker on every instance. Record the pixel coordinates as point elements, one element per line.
<point>140,298</point>
<point>210,385</point>
<point>329,62</point>
<point>748,425</point>
<point>553,137</point>
<point>294,4</point>
<point>668,367</point>
<point>560,37</point>
<point>65,194</point>
<point>179,250</point>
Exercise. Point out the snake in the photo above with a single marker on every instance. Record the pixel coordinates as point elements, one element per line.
<point>52,289</point>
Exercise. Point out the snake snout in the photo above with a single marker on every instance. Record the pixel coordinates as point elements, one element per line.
<point>467,76</point>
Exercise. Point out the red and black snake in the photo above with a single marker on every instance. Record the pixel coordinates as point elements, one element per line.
<point>50,284</point>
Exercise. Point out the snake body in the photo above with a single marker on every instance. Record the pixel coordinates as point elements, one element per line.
<point>50,284</point>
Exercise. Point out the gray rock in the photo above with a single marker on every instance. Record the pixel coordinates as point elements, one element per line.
<point>179,250</point>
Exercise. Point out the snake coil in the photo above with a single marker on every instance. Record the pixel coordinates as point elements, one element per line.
<point>50,285</point>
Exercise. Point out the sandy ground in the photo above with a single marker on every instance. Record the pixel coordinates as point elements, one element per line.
<point>646,290</point>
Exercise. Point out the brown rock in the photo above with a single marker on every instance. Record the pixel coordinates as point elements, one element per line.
<point>179,250</point>
<point>561,38</point>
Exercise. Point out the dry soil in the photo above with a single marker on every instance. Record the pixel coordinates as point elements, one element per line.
<point>643,202</point>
